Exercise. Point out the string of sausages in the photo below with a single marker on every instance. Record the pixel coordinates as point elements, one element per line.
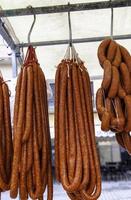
<point>31,168</point>
<point>113,99</point>
<point>76,160</point>
<point>6,145</point>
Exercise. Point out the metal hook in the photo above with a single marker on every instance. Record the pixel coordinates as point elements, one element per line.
<point>70,29</point>
<point>112,20</point>
<point>33,23</point>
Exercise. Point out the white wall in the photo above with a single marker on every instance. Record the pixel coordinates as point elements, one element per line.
<point>6,71</point>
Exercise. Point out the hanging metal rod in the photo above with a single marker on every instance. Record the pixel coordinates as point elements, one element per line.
<point>82,40</point>
<point>65,8</point>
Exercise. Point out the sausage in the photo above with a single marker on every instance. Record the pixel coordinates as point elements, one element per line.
<point>85,181</point>
<point>78,155</point>
<point>17,142</point>
<point>23,188</point>
<point>121,91</point>
<point>108,105</point>
<point>125,77</point>
<point>119,139</point>
<point>127,101</point>
<point>29,104</point>
<point>89,107</point>
<point>119,113</point>
<point>67,144</point>
<point>29,152</point>
<point>92,180</point>
<point>111,51</point>
<point>126,57</point>
<point>40,198</point>
<point>102,50</point>
<point>44,182</point>
<point>107,77</point>
<point>36,160</point>
<point>81,177</point>
<point>44,116</point>
<point>37,105</point>
<point>3,146</point>
<point>47,138</point>
<point>72,137</point>
<point>57,91</point>
<point>48,144</point>
<point>114,84</point>
<point>105,123</point>
<point>118,58</point>
<point>32,151</point>
<point>8,132</point>
<point>17,100</point>
<point>127,141</point>
<point>2,167</point>
<point>73,196</point>
<point>4,185</point>
<point>100,102</point>
<point>118,119</point>
<point>38,184</point>
<point>80,121</point>
<point>49,177</point>
<point>110,108</point>
<point>63,168</point>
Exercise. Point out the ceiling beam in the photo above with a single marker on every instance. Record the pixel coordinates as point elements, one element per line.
<point>80,40</point>
<point>10,42</point>
<point>6,36</point>
<point>66,8</point>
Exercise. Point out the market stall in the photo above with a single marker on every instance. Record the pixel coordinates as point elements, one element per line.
<point>69,97</point>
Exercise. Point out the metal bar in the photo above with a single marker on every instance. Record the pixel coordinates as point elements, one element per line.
<point>70,28</point>
<point>10,42</point>
<point>66,8</point>
<point>80,40</point>
<point>4,33</point>
<point>112,20</point>
<point>96,77</point>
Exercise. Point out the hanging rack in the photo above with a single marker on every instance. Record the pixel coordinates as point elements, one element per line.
<point>72,8</point>
<point>33,23</point>
<point>60,9</point>
<point>64,8</point>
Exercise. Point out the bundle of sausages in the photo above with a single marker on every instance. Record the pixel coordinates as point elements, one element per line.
<point>6,145</point>
<point>113,99</point>
<point>76,159</point>
<point>31,168</point>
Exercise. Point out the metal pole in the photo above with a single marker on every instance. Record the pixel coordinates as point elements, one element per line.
<point>14,65</point>
<point>65,8</point>
<point>80,40</point>
<point>112,21</point>
<point>6,36</point>
<point>70,28</point>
